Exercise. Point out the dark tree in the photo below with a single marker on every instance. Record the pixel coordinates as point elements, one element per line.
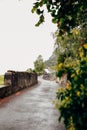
<point>67,14</point>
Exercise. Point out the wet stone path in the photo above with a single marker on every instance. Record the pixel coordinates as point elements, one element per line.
<point>31,109</point>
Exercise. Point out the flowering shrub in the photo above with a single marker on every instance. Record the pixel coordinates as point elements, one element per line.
<point>72,99</point>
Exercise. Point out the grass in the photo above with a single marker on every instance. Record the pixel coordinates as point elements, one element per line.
<point>1,79</point>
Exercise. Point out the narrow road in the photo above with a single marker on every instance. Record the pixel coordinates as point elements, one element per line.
<point>31,109</point>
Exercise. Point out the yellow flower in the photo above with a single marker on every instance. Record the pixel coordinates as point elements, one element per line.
<point>60,89</point>
<point>72,128</point>
<point>82,85</point>
<point>72,75</point>
<point>60,65</point>
<point>77,72</point>
<point>78,61</point>
<point>81,54</point>
<point>67,98</point>
<point>76,32</point>
<point>68,86</point>
<point>80,48</point>
<point>85,46</point>
<point>78,93</point>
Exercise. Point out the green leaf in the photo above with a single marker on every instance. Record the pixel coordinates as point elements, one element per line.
<point>41,18</point>
<point>37,24</point>
<point>48,7</point>
<point>54,20</point>
<point>33,9</point>
<point>36,4</point>
<point>44,1</point>
<point>38,11</point>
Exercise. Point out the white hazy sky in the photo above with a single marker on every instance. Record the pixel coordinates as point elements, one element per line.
<point>20,41</point>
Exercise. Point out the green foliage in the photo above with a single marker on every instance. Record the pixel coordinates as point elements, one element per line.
<point>71,100</point>
<point>70,17</point>
<point>30,70</point>
<point>67,14</point>
<point>39,65</point>
<point>52,61</point>
<point>1,79</point>
<point>66,47</point>
<point>73,104</point>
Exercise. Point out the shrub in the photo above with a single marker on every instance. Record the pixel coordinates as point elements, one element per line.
<point>73,97</point>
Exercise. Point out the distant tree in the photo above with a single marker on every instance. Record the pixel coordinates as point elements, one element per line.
<point>52,61</point>
<point>67,14</point>
<point>30,70</point>
<point>39,65</point>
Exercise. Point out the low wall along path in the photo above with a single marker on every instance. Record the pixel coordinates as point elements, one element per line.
<point>15,81</point>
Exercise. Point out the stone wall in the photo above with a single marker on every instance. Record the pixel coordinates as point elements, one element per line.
<point>15,81</point>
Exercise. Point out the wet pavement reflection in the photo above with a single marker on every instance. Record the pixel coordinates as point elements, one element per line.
<point>31,109</point>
